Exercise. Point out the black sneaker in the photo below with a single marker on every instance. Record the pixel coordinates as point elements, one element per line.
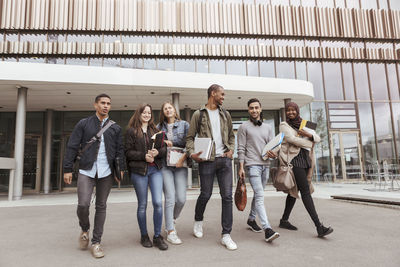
<point>145,241</point>
<point>159,242</point>
<point>323,231</point>
<point>253,226</point>
<point>270,235</point>
<point>287,225</point>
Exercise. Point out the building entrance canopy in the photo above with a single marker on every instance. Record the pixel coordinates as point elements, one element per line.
<point>69,87</point>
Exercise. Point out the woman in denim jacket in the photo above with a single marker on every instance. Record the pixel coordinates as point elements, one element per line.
<point>175,178</point>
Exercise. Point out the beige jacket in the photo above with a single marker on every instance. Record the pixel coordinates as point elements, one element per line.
<point>291,148</point>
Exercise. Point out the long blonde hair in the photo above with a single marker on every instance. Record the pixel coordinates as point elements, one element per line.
<point>164,119</point>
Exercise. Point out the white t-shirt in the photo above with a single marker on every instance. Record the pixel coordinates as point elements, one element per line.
<point>216,131</point>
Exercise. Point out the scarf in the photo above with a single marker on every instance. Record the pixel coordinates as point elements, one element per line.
<point>294,123</point>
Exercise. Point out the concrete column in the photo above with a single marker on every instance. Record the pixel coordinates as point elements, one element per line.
<point>20,142</point>
<point>175,101</point>
<point>47,153</point>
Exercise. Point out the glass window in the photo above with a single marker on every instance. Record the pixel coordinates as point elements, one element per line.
<point>252,68</point>
<point>326,3</point>
<point>358,44</point>
<point>77,61</point>
<point>308,3</point>
<point>53,60</point>
<point>165,40</point>
<point>202,65</point>
<point>311,43</point>
<point>396,119</point>
<point>361,79</point>
<point>217,66</point>
<point>188,65</point>
<point>165,64</point>
<point>367,133</point>
<point>301,70</point>
<point>280,2</point>
<point>393,82</point>
<point>377,76</point>
<point>96,61</point>
<point>112,62</point>
<point>323,162</point>
<point>288,42</point>
<point>295,2</point>
<point>333,81</point>
<point>34,59</point>
<point>394,4</point>
<point>12,37</point>
<point>335,44</point>
<point>236,67</point>
<point>348,80</point>
<point>368,4</point>
<point>305,112</point>
<point>315,77</point>
<point>265,42</point>
<point>353,3</point>
<point>383,4</point>
<point>83,38</point>
<point>149,64</point>
<point>378,45</point>
<point>267,69</point>
<point>340,3</point>
<point>136,63</point>
<point>56,37</point>
<point>10,59</point>
<point>384,134</point>
<point>111,38</point>
<point>33,37</point>
<point>285,69</point>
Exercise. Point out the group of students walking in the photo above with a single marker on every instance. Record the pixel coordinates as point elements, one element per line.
<point>145,158</point>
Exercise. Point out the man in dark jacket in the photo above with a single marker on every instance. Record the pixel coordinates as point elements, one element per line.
<point>96,168</point>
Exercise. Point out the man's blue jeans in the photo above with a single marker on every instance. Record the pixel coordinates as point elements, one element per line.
<point>258,176</point>
<point>154,180</point>
<point>222,168</point>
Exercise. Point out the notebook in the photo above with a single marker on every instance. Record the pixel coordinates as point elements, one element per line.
<point>205,145</point>
<point>273,144</point>
<point>174,154</point>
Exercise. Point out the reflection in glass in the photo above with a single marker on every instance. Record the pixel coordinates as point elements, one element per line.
<point>393,82</point>
<point>394,4</point>
<point>149,64</point>
<point>396,120</point>
<point>315,77</point>
<point>165,64</point>
<point>337,155</point>
<point>54,60</point>
<point>353,3</point>
<point>348,80</point>
<point>217,66</point>
<point>77,61</point>
<point>305,112</point>
<point>333,81</point>
<point>368,4</point>
<point>325,3</point>
<point>285,69</point>
<point>267,69</point>
<point>83,38</point>
<point>112,62</point>
<point>185,65</point>
<point>323,162</point>
<point>236,67</point>
<point>32,38</point>
<point>202,65</point>
<point>252,68</point>
<point>56,37</point>
<point>129,63</point>
<point>111,38</point>
<point>301,70</point>
<point>378,81</point>
<point>96,61</point>
<point>384,134</point>
<point>361,79</point>
<point>367,133</point>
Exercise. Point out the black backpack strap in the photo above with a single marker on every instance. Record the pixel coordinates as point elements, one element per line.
<point>95,138</point>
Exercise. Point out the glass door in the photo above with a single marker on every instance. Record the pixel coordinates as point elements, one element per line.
<point>32,163</point>
<point>346,155</point>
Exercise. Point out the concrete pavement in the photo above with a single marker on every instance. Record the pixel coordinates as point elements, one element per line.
<point>46,235</point>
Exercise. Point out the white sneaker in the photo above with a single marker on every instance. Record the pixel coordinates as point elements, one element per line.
<point>227,241</point>
<point>198,229</point>
<point>173,238</point>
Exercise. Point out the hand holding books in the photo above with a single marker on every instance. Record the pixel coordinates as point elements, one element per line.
<point>272,146</point>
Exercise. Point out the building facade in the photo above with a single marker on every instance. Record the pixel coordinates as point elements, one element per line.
<point>339,59</point>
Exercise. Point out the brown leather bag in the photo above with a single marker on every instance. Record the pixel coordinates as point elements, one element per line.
<point>283,176</point>
<point>241,195</point>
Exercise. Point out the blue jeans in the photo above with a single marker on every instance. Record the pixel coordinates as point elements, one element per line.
<point>222,168</point>
<point>154,180</point>
<point>258,176</point>
<point>175,183</point>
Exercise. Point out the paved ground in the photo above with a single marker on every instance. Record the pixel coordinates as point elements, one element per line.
<point>46,235</point>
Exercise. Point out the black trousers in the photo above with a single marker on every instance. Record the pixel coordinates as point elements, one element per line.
<point>300,175</point>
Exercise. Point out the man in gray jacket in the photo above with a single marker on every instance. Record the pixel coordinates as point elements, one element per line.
<point>252,136</point>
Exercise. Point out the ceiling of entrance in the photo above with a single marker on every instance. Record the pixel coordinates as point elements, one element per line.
<point>68,87</point>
